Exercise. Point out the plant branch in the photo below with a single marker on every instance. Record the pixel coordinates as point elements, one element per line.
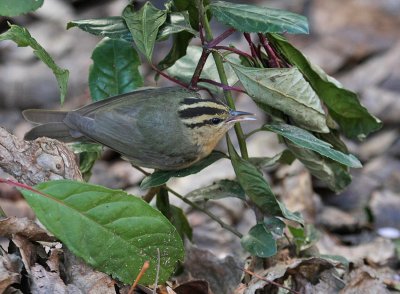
<point>234,50</point>
<point>273,59</point>
<point>211,44</point>
<point>222,75</point>
<point>168,77</point>
<point>205,211</point>
<point>199,68</point>
<point>224,87</point>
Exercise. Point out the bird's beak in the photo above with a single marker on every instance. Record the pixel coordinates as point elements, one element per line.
<point>236,116</point>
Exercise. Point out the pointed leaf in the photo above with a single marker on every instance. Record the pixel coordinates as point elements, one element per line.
<point>354,119</point>
<point>111,230</point>
<point>144,25</point>
<point>180,43</point>
<point>113,27</point>
<point>254,184</point>
<point>184,68</point>
<point>180,222</point>
<point>218,190</point>
<point>18,7</point>
<point>307,140</point>
<point>256,19</point>
<point>23,38</point>
<point>333,174</point>
<point>176,22</point>
<point>160,177</point>
<point>286,90</point>
<point>114,70</point>
<point>259,241</point>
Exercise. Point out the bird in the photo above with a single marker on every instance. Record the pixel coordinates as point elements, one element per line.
<point>166,128</point>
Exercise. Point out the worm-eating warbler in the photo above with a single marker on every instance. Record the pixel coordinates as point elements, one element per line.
<point>161,128</point>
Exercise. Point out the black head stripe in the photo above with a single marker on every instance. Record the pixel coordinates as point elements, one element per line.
<point>198,111</point>
<point>201,124</point>
<point>190,101</point>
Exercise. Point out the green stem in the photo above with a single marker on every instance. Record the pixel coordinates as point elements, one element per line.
<point>222,75</point>
<point>205,211</point>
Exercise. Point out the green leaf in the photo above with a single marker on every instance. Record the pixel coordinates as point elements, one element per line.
<point>113,27</point>
<point>111,230</point>
<point>176,22</point>
<point>180,222</point>
<point>307,140</point>
<point>276,226</point>
<point>333,174</point>
<point>259,241</point>
<point>144,25</point>
<point>254,184</point>
<point>284,89</point>
<point>88,154</point>
<point>160,177</point>
<point>184,68</point>
<point>23,38</point>
<point>305,237</point>
<point>218,190</point>
<point>180,44</point>
<point>18,7</point>
<point>285,157</point>
<point>354,120</point>
<point>114,70</point>
<point>190,6</point>
<point>256,19</point>
<point>294,216</point>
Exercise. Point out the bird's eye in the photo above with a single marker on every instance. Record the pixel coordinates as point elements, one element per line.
<point>216,120</point>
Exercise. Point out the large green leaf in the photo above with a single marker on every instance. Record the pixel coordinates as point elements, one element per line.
<point>160,177</point>
<point>287,90</point>
<point>307,140</point>
<point>111,230</point>
<point>23,38</point>
<point>184,68</point>
<point>144,25</point>
<point>354,119</point>
<point>113,27</point>
<point>17,7</point>
<point>333,174</point>
<point>191,8</point>
<point>218,190</point>
<point>259,241</point>
<point>256,19</point>
<point>179,47</point>
<point>114,70</point>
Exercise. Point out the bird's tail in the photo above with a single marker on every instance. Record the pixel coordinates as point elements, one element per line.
<point>50,125</point>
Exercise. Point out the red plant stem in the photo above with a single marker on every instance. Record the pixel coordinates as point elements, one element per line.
<point>251,45</point>
<point>222,86</point>
<point>145,267</point>
<point>234,50</point>
<point>201,32</point>
<point>168,77</point>
<point>220,38</point>
<point>199,68</point>
<point>20,185</point>
<point>273,59</point>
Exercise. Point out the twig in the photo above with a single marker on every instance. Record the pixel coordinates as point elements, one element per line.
<point>269,281</point>
<point>251,45</point>
<point>168,77</point>
<point>144,268</point>
<point>220,38</point>
<point>234,50</point>
<point>205,211</point>
<point>222,86</point>
<point>273,59</point>
<point>199,68</point>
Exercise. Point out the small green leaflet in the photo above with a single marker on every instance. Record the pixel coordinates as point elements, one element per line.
<point>160,177</point>
<point>18,7</point>
<point>111,230</point>
<point>144,25</point>
<point>218,190</point>
<point>309,141</point>
<point>115,69</point>
<point>259,241</point>
<point>23,38</point>
<point>256,19</point>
